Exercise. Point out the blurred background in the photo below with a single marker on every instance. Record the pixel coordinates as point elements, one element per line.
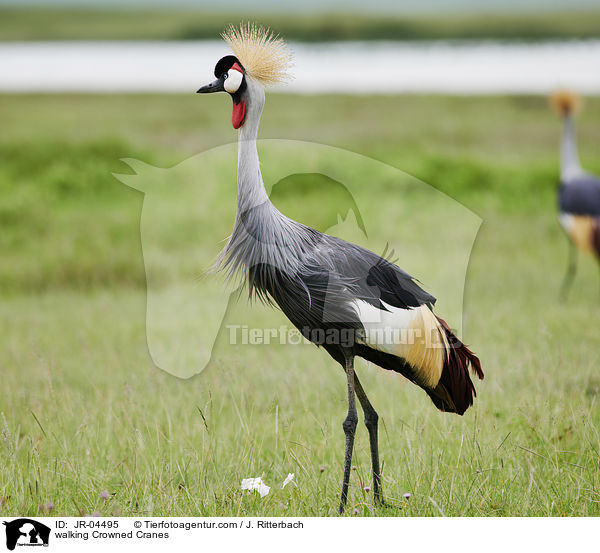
<point>433,46</point>
<point>454,93</point>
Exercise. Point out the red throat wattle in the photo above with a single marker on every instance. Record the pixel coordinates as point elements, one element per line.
<point>238,114</point>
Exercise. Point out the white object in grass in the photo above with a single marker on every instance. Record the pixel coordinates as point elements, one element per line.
<point>255,484</point>
<point>288,479</point>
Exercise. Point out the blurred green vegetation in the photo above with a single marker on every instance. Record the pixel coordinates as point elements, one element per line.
<point>88,411</point>
<point>61,208</point>
<point>93,24</point>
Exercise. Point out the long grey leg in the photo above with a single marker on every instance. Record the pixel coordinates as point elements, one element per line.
<point>371,419</point>
<point>571,270</point>
<point>349,426</point>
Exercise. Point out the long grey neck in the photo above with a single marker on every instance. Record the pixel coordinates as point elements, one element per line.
<point>569,159</point>
<point>262,236</point>
<point>250,188</point>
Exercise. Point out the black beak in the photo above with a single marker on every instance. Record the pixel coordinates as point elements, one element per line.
<point>215,86</point>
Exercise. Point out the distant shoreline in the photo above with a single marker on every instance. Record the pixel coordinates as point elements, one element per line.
<point>22,24</point>
<point>357,67</point>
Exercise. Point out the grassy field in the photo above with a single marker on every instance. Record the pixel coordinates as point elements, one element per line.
<point>84,409</point>
<point>89,24</point>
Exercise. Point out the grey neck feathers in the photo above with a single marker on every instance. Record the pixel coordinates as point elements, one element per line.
<point>262,235</point>
<point>569,159</point>
<point>250,188</point>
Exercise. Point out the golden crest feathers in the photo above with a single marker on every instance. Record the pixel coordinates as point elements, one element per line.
<point>265,56</point>
<point>565,102</point>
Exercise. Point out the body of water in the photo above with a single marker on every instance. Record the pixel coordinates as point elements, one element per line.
<point>348,67</point>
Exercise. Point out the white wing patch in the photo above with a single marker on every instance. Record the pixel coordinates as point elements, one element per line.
<point>413,334</point>
<point>581,230</point>
<point>566,221</point>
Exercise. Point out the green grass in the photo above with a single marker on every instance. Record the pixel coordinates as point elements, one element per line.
<point>84,409</point>
<point>90,24</point>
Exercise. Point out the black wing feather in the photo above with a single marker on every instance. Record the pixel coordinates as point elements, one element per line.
<point>376,279</point>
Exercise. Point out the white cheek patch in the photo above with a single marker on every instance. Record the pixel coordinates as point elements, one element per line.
<point>233,81</point>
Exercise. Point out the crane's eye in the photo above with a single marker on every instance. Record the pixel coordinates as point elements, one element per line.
<point>233,80</point>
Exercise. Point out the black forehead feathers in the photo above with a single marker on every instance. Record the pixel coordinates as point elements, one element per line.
<point>224,64</point>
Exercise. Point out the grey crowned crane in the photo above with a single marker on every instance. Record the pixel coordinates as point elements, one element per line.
<point>579,191</point>
<point>337,294</point>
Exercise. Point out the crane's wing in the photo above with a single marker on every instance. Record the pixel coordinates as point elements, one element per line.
<point>580,196</point>
<point>373,278</point>
<point>388,302</point>
<point>333,276</point>
<point>343,287</point>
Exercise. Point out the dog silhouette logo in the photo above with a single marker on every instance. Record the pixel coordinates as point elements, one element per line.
<point>188,316</point>
<point>26,531</point>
